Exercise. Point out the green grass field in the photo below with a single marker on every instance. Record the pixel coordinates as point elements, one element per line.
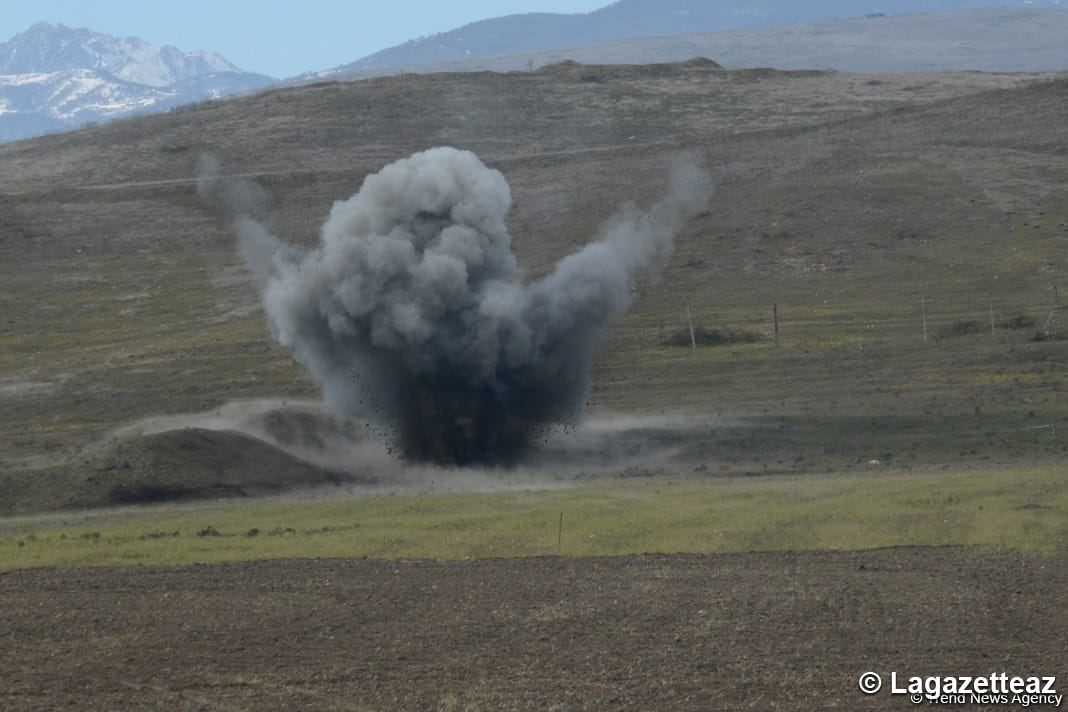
<point>1022,509</point>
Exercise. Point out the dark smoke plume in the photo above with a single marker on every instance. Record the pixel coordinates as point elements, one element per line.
<point>412,308</point>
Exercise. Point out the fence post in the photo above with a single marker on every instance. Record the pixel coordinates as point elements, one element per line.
<point>990,304</point>
<point>775,316</point>
<point>1054,316</point>
<point>693,339</point>
<point>923,311</point>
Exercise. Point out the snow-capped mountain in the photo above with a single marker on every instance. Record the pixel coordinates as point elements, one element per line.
<point>54,77</point>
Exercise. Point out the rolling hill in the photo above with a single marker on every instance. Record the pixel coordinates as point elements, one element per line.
<point>632,19</point>
<point>847,200</point>
<point>989,39</point>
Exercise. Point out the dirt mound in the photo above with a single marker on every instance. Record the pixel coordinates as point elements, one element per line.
<point>192,463</point>
<point>292,427</point>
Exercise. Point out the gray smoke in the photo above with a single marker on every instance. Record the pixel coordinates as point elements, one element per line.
<point>412,308</point>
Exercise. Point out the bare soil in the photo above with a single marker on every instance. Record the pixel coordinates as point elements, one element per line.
<point>760,631</point>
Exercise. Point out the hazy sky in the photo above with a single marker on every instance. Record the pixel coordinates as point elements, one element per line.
<point>270,36</point>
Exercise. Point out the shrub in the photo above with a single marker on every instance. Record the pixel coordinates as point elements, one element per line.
<point>961,327</point>
<point>711,337</point>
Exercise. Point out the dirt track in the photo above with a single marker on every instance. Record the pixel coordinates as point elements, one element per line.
<point>789,631</point>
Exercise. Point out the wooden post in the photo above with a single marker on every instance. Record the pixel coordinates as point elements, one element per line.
<point>559,533</point>
<point>1053,318</point>
<point>923,310</point>
<point>693,338</point>
<point>775,316</point>
<point>990,304</point>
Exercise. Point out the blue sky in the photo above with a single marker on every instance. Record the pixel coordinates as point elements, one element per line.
<point>270,36</point>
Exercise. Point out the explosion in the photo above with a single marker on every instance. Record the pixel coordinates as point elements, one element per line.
<point>412,308</point>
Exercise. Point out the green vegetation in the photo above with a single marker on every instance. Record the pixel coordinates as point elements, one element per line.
<point>1022,509</point>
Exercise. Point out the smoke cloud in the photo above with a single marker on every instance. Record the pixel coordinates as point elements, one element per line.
<point>412,307</point>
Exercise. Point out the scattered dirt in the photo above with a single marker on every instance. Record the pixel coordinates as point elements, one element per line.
<point>760,631</point>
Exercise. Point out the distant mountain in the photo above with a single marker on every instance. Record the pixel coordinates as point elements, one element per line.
<point>629,19</point>
<point>990,39</point>
<point>54,77</point>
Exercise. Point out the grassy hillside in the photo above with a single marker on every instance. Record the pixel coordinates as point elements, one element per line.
<point>982,39</point>
<point>176,465</point>
<point>845,199</point>
<point>1015,509</point>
